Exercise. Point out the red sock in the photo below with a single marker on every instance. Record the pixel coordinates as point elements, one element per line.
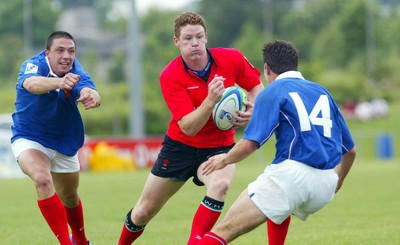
<point>211,239</point>
<point>54,213</point>
<point>277,233</point>
<point>206,216</point>
<point>130,231</point>
<point>127,237</point>
<point>76,222</point>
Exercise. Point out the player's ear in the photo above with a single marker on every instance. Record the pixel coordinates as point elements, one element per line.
<point>267,70</point>
<point>176,41</point>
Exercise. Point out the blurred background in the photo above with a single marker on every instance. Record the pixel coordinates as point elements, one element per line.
<point>351,47</point>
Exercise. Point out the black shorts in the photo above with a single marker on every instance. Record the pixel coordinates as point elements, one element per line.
<point>180,162</point>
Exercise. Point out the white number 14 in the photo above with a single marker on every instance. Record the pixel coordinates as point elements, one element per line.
<point>320,108</point>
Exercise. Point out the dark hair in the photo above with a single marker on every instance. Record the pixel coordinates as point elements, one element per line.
<point>188,18</point>
<point>280,56</point>
<point>56,35</point>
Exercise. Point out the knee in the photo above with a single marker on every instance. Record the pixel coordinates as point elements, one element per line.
<point>43,182</point>
<point>69,200</point>
<point>219,186</point>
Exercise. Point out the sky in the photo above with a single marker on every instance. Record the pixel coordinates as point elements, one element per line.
<point>143,5</point>
<point>122,8</point>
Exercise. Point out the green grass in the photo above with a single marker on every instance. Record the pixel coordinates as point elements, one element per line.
<point>365,211</point>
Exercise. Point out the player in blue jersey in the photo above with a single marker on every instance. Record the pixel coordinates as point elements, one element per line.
<point>48,131</point>
<point>314,151</point>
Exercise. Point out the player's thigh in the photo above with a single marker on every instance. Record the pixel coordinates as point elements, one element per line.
<point>35,164</point>
<point>242,217</point>
<point>157,191</point>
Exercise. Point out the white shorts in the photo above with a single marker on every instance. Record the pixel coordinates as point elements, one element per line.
<point>60,163</point>
<point>292,187</point>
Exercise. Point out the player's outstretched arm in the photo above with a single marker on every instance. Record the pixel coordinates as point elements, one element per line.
<point>90,98</point>
<point>344,167</point>
<point>239,152</point>
<point>42,85</point>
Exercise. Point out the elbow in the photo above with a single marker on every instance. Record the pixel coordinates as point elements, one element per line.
<point>255,91</point>
<point>189,131</point>
<point>187,128</point>
<point>350,156</point>
<point>31,88</point>
<point>353,152</point>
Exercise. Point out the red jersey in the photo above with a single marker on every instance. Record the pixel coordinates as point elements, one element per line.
<point>184,91</point>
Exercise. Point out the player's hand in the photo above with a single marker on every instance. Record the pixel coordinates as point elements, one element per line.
<point>243,117</point>
<point>90,98</point>
<point>215,89</point>
<point>214,163</point>
<point>69,81</point>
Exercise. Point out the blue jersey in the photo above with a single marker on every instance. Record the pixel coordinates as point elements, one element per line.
<point>51,119</point>
<point>307,123</point>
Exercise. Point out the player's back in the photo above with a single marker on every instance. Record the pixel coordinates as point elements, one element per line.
<point>305,119</point>
<point>310,128</point>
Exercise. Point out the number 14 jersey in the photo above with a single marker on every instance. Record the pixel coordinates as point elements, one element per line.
<point>307,123</point>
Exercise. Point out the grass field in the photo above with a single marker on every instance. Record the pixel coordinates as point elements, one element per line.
<point>365,211</point>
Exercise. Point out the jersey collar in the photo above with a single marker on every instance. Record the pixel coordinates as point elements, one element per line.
<point>51,71</point>
<point>290,74</point>
<point>210,62</point>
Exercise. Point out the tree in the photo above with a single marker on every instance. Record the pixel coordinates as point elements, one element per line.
<point>225,19</point>
<point>158,51</point>
<point>44,16</point>
<point>250,42</point>
<point>303,24</point>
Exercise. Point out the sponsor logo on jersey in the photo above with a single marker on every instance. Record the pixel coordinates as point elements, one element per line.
<point>31,68</point>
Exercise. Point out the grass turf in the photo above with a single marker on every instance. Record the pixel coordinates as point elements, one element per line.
<point>365,211</point>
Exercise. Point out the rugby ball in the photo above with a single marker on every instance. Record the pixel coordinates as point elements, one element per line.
<point>231,101</point>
